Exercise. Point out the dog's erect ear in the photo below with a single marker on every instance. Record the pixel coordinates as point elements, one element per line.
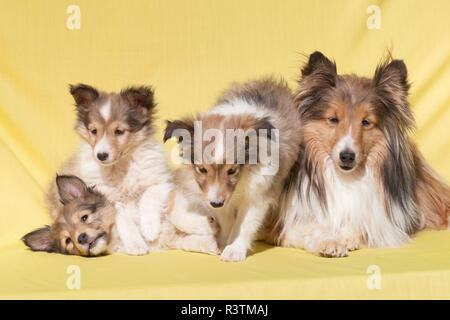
<point>319,63</point>
<point>179,129</point>
<point>83,94</point>
<point>40,240</point>
<point>318,76</point>
<point>71,188</point>
<point>142,97</point>
<point>391,86</point>
<point>392,73</point>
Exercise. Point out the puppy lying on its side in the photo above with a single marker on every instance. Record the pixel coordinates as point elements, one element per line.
<point>85,225</point>
<point>241,193</point>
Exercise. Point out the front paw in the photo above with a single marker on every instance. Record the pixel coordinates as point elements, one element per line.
<point>234,253</point>
<point>332,249</point>
<point>150,228</point>
<point>352,243</point>
<point>210,246</point>
<point>136,247</point>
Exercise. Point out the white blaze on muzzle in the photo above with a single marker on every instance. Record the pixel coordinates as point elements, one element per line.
<point>213,193</point>
<point>347,143</point>
<point>103,147</point>
<point>214,197</point>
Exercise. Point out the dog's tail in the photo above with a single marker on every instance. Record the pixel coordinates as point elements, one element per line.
<point>433,197</point>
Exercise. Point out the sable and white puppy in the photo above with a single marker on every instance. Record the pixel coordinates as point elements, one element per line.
<point>237,157</point>
<point>359,179</point>
<point>122,159</point>
<point>86,225</point>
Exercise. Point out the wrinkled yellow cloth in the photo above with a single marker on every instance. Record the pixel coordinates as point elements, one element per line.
<point>190,51</point>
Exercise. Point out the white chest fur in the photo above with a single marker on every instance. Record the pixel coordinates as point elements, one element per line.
<point>129,178</point>
<point>354,204</point>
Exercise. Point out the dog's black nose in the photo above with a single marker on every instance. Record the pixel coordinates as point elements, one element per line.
<point>102,156</point>
<point>347,156</point>
<point>82,238</point>
<point>216,204</point>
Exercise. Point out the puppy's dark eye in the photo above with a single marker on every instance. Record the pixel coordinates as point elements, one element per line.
<point>84,218</point>
<point>94,131</point>
<point>333,120</point>
<point>68,240</point>
<point>118,132</point>
<point>231,171</point>
<point>365,123</point>
<point>202,170</point>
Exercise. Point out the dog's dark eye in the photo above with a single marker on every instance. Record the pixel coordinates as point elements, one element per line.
<point>202,170</point>
<point>365,123</point>
<point>94,131</point>
<point>68,240</point>
<point>84,218</point>
<point>118,132</point>
<point>333,120</point>
<point>231,171</point>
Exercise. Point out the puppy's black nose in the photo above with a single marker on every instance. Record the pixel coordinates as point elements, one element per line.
<point>216,204</point>
<point>82,238</point>
<point>102,156</point>
<point>347,156</point>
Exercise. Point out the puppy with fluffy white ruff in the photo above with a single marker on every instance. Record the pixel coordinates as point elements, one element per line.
<point>359,179</point>
<point>122,159</point>
<point>240,193</point>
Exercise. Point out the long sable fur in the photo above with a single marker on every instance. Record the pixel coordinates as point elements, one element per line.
<point>405,176</point>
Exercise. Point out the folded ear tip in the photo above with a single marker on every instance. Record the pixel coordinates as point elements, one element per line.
<point>72,88</point>
<point>391,67</point>
<point>139,96</point>
<point>317,59</point>
<point>400,65</point>
<point>168,131</point>
<point>176,125</point>
<point>143,90</point>
<point>83,93</point>
<point>316,55</point>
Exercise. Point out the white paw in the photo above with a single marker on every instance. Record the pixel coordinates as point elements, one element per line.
<point>332,249</point>
<point>210,246</point>
<point>234,253</point>
<point>352,243</point>
<point>150,228</point>
<point>137,247</point>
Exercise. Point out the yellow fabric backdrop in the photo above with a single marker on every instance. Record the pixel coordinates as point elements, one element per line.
<point>189,50</point>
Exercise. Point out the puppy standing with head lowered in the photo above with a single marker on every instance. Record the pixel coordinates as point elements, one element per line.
<point>359,179</point>
<point>122,159</point>
<point>240,193</point>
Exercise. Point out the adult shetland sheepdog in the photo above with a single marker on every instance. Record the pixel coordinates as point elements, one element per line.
<point>122,159</point>
<point>86,225</point>
<point>359,179</point>
<point>240,193</point>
